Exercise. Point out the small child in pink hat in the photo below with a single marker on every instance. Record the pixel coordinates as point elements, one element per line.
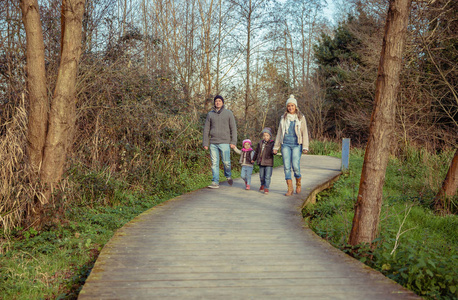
<point>246,160</point>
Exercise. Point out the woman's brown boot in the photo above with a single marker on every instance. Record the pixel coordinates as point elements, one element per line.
<point>290,191</point>
<point>298,185</point>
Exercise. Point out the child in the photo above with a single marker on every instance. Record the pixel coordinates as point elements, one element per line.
<point>264,156</point>
<point>246,160</point>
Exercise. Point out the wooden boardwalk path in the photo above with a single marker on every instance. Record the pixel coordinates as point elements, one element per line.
<point>234,244</point>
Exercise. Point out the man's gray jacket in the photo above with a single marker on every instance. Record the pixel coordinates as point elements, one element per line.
<point>220,128</point>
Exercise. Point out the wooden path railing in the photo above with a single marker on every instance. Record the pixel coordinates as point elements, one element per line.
<point>230,243</point>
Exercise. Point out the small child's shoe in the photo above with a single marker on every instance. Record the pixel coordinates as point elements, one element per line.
<point>261,188</point>
<point>247,187</point>
<point>266,191</point>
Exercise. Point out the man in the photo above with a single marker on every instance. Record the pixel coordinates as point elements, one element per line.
<point>220,135</point>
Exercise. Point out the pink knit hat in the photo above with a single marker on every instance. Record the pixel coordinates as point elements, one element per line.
<point>246,141</point>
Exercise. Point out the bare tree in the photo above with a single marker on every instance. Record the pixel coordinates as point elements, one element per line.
<point>36,82</point>
<point>205,10</point>
<point>11,57</point>
<point>252,13</point>
<point>307,43</point>
<point>305,22</point>
<point>369,200</point>
<point>49,144</point>
<point>316,108</point>
<point>218,47</point>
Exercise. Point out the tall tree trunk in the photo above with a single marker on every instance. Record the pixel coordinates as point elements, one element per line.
<point>285,48</point>
<point>206,11</point>
<point>146,32</point>
<point>369,200</point>
<point>289,49</point>
<point>449,186</point>
<point>304,82</point>
<point>248,54</point>
<point>63,106</point>
<point>218,52</point>
<point>36,82</point>
<point>309,52</point>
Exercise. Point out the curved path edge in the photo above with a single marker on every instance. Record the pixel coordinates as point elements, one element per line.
<point>229,243</point>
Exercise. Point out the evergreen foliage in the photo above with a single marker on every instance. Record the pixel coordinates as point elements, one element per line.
<point>347,77</point>
<point>347,60</point>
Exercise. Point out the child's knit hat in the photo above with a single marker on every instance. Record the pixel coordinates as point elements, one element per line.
<point>246,141</point>
<point>267,130</point>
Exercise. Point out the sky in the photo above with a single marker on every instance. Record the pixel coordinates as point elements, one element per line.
<point>330,10</point>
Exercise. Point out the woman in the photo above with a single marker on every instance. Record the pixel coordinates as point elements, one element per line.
<point>293,136</point>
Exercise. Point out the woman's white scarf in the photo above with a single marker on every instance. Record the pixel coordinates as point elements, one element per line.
<point>287,121</point>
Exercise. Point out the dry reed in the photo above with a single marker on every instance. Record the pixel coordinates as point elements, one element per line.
<point>14,188</point>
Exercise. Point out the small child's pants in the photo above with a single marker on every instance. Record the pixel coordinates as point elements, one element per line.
<point>265,173</point>
<point>246,174</point>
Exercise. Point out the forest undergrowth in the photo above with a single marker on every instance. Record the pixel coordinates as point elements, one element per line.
<point>125,160</point>
<point>54,261</point>
<point>416,247</point>
<point>137,159</point>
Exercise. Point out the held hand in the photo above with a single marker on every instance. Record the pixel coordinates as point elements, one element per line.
<point>305,151</point>
<point>206,147</point>
<point>275,151</point>
<point>232,146</point>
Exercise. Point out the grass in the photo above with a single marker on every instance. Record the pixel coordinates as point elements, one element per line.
<point>55,262</point>
<point>415,247</point>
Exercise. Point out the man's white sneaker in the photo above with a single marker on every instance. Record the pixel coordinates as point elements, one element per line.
<point>214,185</point>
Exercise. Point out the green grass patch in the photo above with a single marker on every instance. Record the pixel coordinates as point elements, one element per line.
<point>415,247</point>
<point>55,262</point>
<point>325,148</point>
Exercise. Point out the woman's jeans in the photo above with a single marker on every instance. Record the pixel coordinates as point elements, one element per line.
<point>225,150</point>
<point>291,157</point>
<point>265,173</point>
<point>246,174</point>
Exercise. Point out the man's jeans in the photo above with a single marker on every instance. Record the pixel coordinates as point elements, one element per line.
<point>265,174</point>
<point>225,150</point>
<point>291,157</point>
